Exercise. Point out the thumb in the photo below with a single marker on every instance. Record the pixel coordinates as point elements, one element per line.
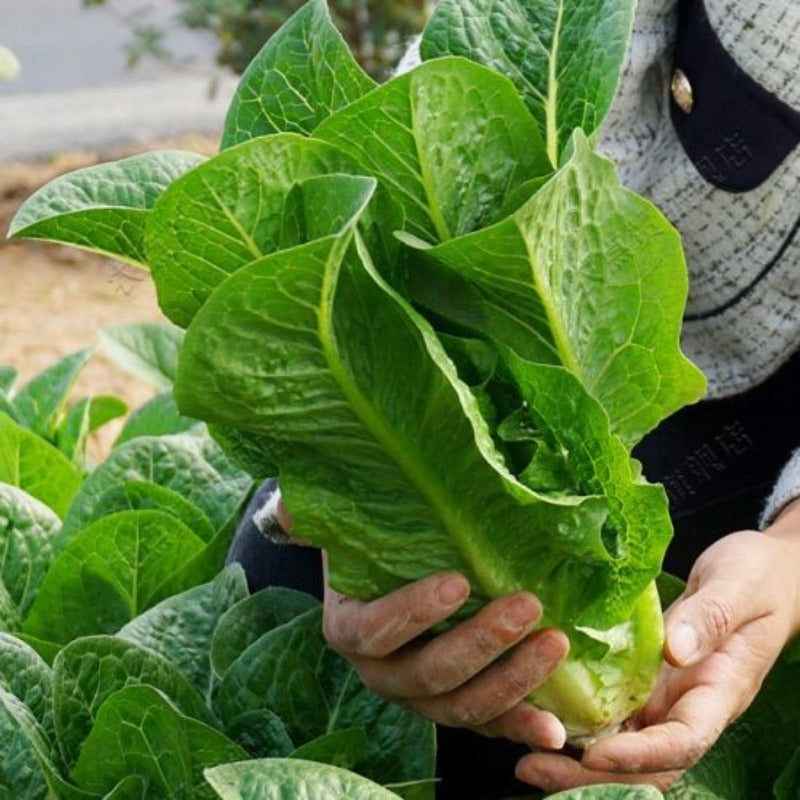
<point>699,623</point>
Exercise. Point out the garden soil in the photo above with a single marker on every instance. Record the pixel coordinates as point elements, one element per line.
<point>55,300</point>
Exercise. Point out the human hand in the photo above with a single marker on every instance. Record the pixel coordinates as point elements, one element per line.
<point>740,607</point>
<point>458,678</point>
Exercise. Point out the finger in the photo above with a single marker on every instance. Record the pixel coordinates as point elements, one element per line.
<point>527,725</point>
<point>699,623</point>
<point>553,773</point>
<point>694,723</point>
<point>500,687</point>
<point>283,516</point>
<point>376,629</point>
<point>453,658</point>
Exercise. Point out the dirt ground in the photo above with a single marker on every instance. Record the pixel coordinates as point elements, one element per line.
<point>55,300</point>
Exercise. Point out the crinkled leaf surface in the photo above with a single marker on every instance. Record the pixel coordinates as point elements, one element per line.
<point>147,350</point>
<point>291,779</point>
<point>109,574</point>
<point>303,74</point>
<point>138,731</point>
<point>449,141</point>
<point>343,748</point>
<point>263,195</point>
<point>191,465</point>
<point>159,416</point>
<point>422,487</point>
<point>24,752</point>
<point>40,402</point>
<point>141,495</point>
<point>102,208</point>
<point>612,791</point>
<point>89,671</point>
<point>181,627</point>
<point>262,733</point>
<point>25,675</point>
<point>251,618</point>
<point>33,465</point>
<point>592,277</point>
<point>564,57</point>
<point>28,529</point>
<point>84,418</point>
<point>314,691</point>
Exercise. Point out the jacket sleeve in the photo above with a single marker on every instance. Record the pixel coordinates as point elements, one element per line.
<point>786,489</point>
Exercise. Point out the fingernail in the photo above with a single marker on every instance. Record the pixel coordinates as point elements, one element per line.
<point>683,643</point>
<point>452,591</point>
<point>521,613</point>
<point>559,740</point>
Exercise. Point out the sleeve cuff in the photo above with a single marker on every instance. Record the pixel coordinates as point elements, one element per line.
<point>786,489</point>
<point>265,517</point>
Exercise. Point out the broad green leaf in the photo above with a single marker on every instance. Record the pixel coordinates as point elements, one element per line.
<point>102,208</point>
<point>449,141</point>
<point>89,671</point>
<point>261,733</point>
<point>33,465</point>
<point>204,565</point>
<point>302,75</point>
<point>109,574</point>
<point>181,627</point>
<point>343,748</point>
<point>47,651</point>
<point>8,375</point>
<point>28,529</point>
<point>264,195</point>
<point>157,417</point>
<point>609,791</point>
<point>592,278</point>
<point>133,787</point>
<point>252,617</point>
<point>422,484</point>
<point>290,779</point>
<point>10,617</point>
<point>564,57</point>
<point>7,408</point>
<point>25,755</point>
<point>314,691</point>
<point>147,350</point>
<point>40,402</point>
<point>84,418</point>
<point>191,465</point>
<point>138,731</point>
<point>25,675</point>
<point>141,496</point>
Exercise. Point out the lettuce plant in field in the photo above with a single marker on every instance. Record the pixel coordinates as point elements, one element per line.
<point>433,310</point>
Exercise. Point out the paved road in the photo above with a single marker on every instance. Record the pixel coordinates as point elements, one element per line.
<point>74,91</point>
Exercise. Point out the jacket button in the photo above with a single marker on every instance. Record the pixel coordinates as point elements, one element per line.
<point>682,92</point>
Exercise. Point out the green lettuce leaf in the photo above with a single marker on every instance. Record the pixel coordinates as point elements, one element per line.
<point>448,141</point>
<point>89,671</point>
<point>303,74</point>
<point>565,58</point>
<point>592,278</point>
<point>264,195</point>
<point>109,574</point>
<point>28,529</point>
<point>25,675</point>
<point>279,779</point>
<point>159,416</point>
<point>314,691</point>
<point>147,350</point>
<point>138,731</point>
<point>181,627</point>
<point>102,208</point>
<point>33,465</point>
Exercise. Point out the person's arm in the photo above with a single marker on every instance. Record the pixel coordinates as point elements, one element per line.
<point>740,608</point>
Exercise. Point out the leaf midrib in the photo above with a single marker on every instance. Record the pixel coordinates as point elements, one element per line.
<point>411,467</point>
